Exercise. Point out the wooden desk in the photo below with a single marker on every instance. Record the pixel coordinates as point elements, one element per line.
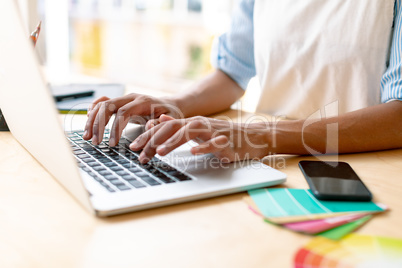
<point>42,226</point>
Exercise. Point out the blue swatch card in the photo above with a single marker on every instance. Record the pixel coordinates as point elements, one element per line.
<point>286,205</point>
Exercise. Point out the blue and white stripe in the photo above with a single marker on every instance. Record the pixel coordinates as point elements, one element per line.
<point>234,51</point>
<point>391,82</point>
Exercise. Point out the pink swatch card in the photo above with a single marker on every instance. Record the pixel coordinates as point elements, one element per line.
<point>317,226</point>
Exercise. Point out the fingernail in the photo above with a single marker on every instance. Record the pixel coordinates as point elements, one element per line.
<point>94,139</point>
<point>112,142</point>
<point>134,146</point>
<point>143,158</point>
<point>161,149</point>
<point>150,125</point>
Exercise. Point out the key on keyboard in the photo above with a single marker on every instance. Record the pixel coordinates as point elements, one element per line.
<point>118,168</point>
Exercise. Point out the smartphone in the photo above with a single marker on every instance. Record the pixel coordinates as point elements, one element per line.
<point>334,181</point>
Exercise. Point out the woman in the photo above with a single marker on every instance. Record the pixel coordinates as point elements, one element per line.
<point>328,58</point>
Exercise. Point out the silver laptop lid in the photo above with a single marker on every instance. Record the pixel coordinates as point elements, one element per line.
<point>28,106</point>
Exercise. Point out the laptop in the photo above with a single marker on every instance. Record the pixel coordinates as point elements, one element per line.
<point>105,180</point>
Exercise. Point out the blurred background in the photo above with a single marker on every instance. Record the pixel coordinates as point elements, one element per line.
<point>158,44</point>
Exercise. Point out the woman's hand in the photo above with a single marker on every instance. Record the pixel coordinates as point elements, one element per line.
<point>132,108</point>
<point>227,140</point>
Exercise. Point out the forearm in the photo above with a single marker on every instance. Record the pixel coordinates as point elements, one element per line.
<point>215,93</point>
<point>369,129</point>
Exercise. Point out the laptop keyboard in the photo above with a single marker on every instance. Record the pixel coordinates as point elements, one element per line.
<point>118,168</point>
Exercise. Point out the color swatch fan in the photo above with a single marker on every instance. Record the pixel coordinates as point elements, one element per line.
<point>354,251</point>
<point>298,210</point>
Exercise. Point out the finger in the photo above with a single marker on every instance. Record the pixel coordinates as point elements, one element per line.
<point>93,104</point>
<point>214,145</point>
<point>165,118</point>
<point>191,131</point>
<point>105,112</point>
<point>160,134</point>
<point>92,115</point>
<point>123,116</point>
<point>153,122</point>
<point>90,121</point>
<point>142,139</point>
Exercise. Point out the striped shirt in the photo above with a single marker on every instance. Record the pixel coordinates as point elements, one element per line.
<point>234,51</point>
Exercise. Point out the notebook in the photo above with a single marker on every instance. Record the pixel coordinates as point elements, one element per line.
<point>78,97</point>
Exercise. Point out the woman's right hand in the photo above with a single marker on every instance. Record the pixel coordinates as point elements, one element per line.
<point>133,108</point>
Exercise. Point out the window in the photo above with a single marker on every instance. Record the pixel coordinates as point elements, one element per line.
<point>162,44</point>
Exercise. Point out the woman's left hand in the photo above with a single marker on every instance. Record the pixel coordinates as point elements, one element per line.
<point>226,140</point>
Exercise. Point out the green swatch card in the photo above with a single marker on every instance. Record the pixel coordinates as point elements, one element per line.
<point>340,231</point>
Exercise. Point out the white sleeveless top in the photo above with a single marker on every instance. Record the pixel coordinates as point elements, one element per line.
<point>320,54</point>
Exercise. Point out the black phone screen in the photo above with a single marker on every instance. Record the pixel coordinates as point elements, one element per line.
<point>334,181</point>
